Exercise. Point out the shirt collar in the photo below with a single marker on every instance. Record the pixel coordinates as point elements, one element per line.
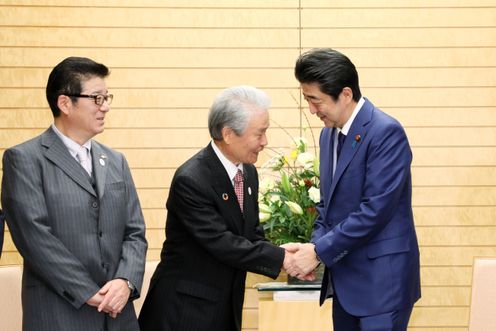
<point>230,167</point>
<point>71,145</point>
<point>347,126</point>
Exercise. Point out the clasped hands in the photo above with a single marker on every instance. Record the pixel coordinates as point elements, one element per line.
<point>300,260</point>
<point>111,298</point>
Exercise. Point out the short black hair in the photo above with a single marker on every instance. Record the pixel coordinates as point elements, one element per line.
<point>330,69</point>
<point>67,78</point>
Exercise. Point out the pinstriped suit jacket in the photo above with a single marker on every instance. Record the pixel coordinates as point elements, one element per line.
<point>73,237</point>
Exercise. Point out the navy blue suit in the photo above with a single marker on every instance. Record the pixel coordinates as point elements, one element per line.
<point>365,233</point>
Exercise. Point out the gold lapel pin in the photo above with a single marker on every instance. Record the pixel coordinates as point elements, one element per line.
<point>225,196</point>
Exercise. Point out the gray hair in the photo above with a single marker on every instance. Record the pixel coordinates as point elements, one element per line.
<point>231,109</point>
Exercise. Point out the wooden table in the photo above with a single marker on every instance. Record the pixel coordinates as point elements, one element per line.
<point>291,309</point>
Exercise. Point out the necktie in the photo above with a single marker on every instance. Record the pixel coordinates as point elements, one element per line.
<point>83,159</point>
<point>239,187</point>
<point>341,138</point>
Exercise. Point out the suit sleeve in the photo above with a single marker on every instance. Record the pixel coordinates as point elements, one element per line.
<point>133,256</point>
<point>259,234</point>
<point>193,205</point>
<point>386,179</point>
<point>27,218</point>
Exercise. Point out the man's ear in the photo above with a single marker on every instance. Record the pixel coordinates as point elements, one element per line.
<point>64,103</point>
<point>227,134</point>
<point>347,93</point>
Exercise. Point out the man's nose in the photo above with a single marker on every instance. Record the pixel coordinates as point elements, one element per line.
<point>264,140</point>
<point>105,106</point>
<point>312,108</point>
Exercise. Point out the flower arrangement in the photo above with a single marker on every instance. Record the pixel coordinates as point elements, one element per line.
<point>288,193</point>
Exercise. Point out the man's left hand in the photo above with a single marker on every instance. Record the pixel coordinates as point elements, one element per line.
<point>116,294</point>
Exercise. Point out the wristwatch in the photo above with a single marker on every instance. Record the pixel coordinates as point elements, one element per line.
<point>130,286</point>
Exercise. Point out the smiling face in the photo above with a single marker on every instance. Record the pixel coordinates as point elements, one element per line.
<point>82,119</point>
<point>245,147</point>
<point>334,113</point>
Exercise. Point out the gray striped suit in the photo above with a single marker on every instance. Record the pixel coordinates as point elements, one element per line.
<point>74,237</point>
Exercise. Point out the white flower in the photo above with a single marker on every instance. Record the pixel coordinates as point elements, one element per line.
<point>266,184</point>
<point>294,207</point>
<point>306,160</point>
<point>264,217</point>
<point>274,198</point>
<point>298,142</point>
<point>264,208</point>
<point>314,194</point>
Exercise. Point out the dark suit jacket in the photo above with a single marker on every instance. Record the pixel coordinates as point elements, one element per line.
<point>74,237</point>
<point>209,247</point>
<point>2,224</point>
<point>365,233</point>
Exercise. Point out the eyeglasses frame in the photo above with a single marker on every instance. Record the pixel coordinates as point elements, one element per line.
<point>106,97</point>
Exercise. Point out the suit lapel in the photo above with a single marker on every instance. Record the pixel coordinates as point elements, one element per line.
<point>326,159</point>
<point>100,165</point>
<point>58,154</point>
<point>250,198</point>
<point>350,144</point>
<point>221,184</point>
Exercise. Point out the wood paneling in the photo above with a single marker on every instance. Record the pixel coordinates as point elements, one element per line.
<point>166,57</point>
<point>399,37</point>
<point>395,4</point>
<point>149,17</point>
<point>397,17</point>
<point>142,78</point>
<point>160,3</point>
<point>430,64</point>
<point>449,216</point>
<point>145,37</point>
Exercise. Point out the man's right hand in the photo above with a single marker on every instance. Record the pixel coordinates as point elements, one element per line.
<point>96,300</point>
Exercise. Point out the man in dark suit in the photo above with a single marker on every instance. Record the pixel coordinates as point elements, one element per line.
<point>2,225</point>
<point>364,233</point>
<point>213,235</point>
<point>74,214</point>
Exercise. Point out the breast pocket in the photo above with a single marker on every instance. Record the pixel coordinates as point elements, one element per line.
<point>115,186</point>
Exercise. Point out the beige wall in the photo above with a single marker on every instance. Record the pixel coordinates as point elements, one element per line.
<point>430,63</point>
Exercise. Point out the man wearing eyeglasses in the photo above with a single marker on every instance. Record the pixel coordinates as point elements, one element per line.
<point>73,212</point>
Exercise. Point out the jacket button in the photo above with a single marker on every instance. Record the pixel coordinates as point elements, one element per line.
<point>100,233</point>
<point>94,204</point>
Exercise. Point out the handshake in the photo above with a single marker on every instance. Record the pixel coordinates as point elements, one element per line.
<point>300,260</point>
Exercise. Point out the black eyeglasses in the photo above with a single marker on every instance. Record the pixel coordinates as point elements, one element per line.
<point>98,98</point>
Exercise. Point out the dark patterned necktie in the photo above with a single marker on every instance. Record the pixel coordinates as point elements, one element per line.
<point>239,188</point>
<point>341,138</point>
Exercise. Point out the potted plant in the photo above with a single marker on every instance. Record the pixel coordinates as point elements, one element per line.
<point>288,193</point>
